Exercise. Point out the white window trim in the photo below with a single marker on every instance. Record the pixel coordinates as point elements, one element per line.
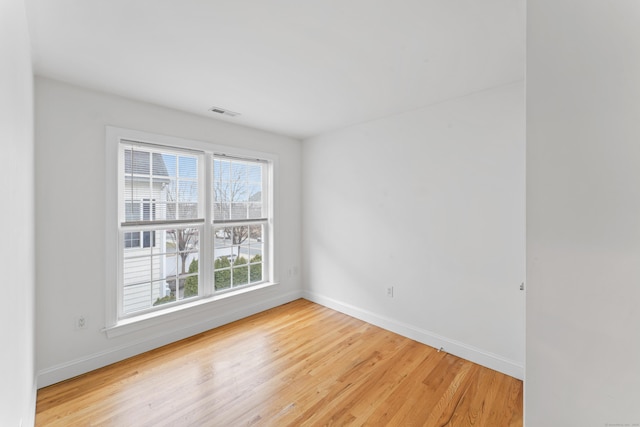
<point>114,326</point>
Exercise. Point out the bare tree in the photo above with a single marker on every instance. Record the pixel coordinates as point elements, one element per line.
<point>184,239</point>
<point>226,193</point>
<point>240,234</point>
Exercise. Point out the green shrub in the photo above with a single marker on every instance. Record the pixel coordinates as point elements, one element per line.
<point>191,284</point>
<point>169,298</point>
<point>222,278</point>
<point>240,271</point>
<point>255,270</point>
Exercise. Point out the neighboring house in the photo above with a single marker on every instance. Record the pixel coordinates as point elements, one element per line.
<point>145,199</point>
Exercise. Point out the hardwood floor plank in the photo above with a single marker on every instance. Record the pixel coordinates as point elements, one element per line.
<point>408,394</point>
<point>453,406</point>
<point>380,384</point>
<point>295,365</point>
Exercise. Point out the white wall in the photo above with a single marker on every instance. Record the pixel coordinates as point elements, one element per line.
<point>432,203</point>
<point>70,183</point>
<point>17,254</point>
<point>583,213</point>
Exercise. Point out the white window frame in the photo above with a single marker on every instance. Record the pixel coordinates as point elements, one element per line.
<point>116,324</point>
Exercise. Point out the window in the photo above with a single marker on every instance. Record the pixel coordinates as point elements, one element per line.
<point>192,224</point>
<point>163,219</point>
<point>239,217</point>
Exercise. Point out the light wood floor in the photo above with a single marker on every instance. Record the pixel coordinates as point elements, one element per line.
<point>298,364</point>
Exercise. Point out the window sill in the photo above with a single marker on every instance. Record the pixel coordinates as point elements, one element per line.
<point>156,318</point>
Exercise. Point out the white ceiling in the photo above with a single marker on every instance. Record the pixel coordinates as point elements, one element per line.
<point>295,67</point>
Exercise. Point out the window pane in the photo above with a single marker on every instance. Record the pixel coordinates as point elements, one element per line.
<point>188,167</point>
<point>221,211</point>
<point>132,211</point>
<point>216,170</point>
<point>159,192</point>
<point>255,232</point>
<point>164,164</point>
<point>187,210</point>
<point>240,234</point>
<point>138,159</point>
<point>170,190</point>
<point>256,253</point>
<point>183,239</point>
<point>160,210</point>
<point>222,279</point>
<point>191,286</point>
<point>187,191</point>
<point>128,187</point>
<point>237,189</point>
<point>254,173</point>
<point>222,191</point>
<point>128,161</point>
<point>225,170</point>
<point>255,271</point>
<point>137,270</point>
<point>227,192</point>
<point>141,163</point>
<point>136,297</point>
<point>255,211</point>
<point>240,274</point>
<point>171,265</point>
<point>238,171</point>
<point>162,270</point>
<point>166,180</point>
<point>239,248</point>
<point>188,262</point>
<point>223,236</point>
<point>239,211</point>
<point>171,211</point>
<point>161,292</point>
<point>255,192</point>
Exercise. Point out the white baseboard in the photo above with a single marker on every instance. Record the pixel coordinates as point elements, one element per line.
<point>94,361</point>
<point>429,338</point>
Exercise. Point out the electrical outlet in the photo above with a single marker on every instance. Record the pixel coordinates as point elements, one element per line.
<point>81,322</point>
<point>390,291</point>
<point>292,271</point>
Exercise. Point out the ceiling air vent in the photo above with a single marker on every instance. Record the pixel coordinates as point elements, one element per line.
<point>222,111</point>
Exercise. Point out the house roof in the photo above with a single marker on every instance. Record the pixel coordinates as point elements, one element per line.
<point>138,162</point>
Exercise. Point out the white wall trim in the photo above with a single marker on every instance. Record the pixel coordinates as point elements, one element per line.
<point>29,418</point>
<point>481,357</point>
<point>88,363</point>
